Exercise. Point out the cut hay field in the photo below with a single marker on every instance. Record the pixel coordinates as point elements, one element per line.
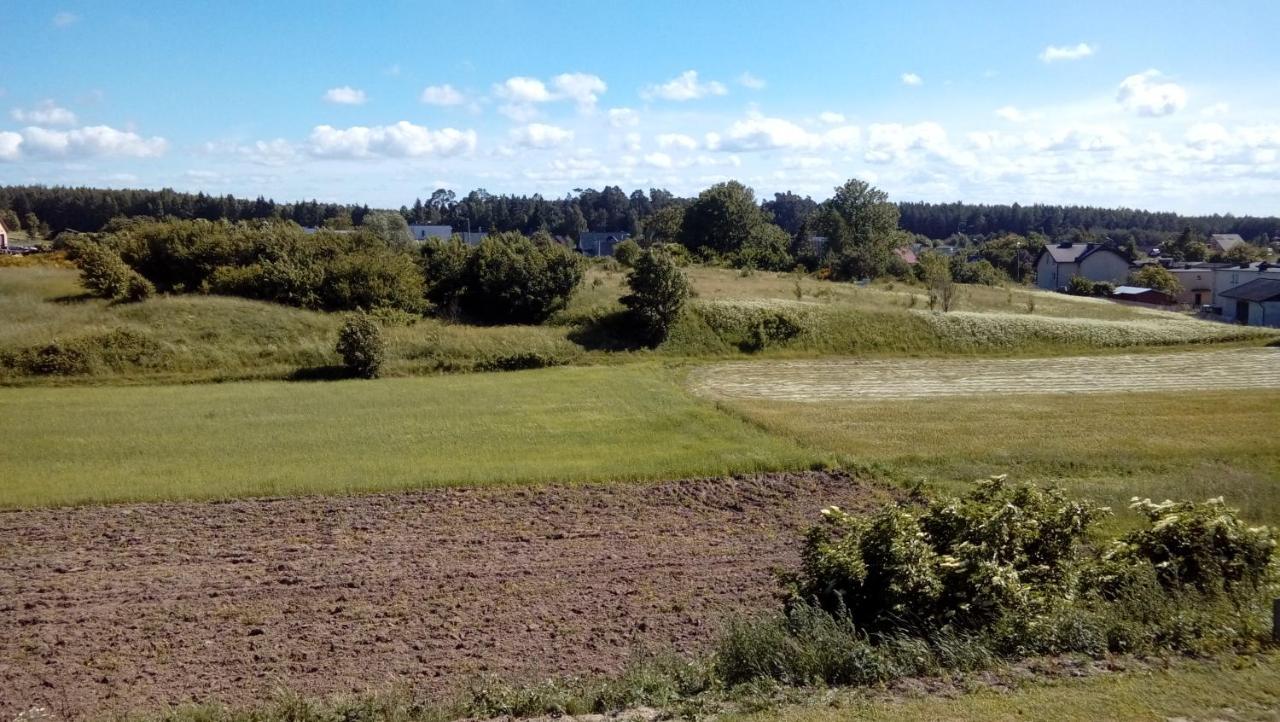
<point>131,443</point>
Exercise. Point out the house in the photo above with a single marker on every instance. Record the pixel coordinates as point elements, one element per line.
<point>1256,303</point>
<point>1196,280</point>
<point>472,238</point>
<point>1228,277</point>
<point>421,233</point>
<point>1137,296</point>
<point>907,255</point>
<point>4,238</point>
<point>1057,264</point>
<point>600,243</point>
<point>1223,242</point>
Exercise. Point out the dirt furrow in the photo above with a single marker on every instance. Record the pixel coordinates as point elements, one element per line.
<point>133,607</point>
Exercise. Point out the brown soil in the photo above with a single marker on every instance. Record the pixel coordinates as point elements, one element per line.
<point>130,608</point>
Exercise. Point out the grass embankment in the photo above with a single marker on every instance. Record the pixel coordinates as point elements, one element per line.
<point>76,446</point>
<point>1186,691</point>
<point>55,334</point>
<point>1109,447</point>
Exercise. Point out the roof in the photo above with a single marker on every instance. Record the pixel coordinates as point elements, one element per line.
<point>1259,290</point>
<point>1072,252</point>
<point>602,236</point>
<point>907,255</point>
<point>1130,290</point>
<point>1225,241</point>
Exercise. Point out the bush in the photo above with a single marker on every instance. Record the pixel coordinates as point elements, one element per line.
<point>360,345</point>
<point>512,279</point>
<point>116,350</point>
<point>979,272</point>
<point>766,248</point>
<point>627,252</point>
<point>105,274</point>
<point>756,325</point>
<point>659,291</point>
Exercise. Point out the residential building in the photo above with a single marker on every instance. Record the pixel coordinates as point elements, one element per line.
<point>600,243</point>
<point>1231,277</point>
<point>1256,303</point>
<point>4,237</point>
<point>1057,264</point>
<point>1196,280</point>
<point>1138,296</point>
<point>1223,242</point>
<point>421,233</point>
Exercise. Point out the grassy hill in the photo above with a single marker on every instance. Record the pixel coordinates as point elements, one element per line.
<point>54,333</point>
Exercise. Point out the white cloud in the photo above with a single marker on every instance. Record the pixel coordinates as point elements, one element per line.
<point>10,146</point>
<point>401,140</point>
<point>684,86</point>
<point>583,89</point>
<point>633,142</point>
<point>1054,53</point>
<point>658,160</point>
<point>1088,138</point>
<point>64,19</point>
<point>912,79</point>
<point>831,118</point>
<point>45,113</point>
<point>623,118</point>
<point>891,141</point>
<point>677,140</point>
<point>758,132</point>
<point>1145,95</point>
<point>747,80</point>
<point>442,95</point>
<point>541,135</point>
<point>522,89</point>
<point>345,95</point>
<point>1012,114</point>
<point>91,141</point>
<point>1215,110</point>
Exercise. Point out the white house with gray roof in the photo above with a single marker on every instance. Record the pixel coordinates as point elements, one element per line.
<point>1058,263</point>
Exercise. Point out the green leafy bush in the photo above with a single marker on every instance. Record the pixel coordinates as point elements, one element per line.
<point>361,346</point>
<point>627,252</point>
<point>105,274</point>
<point>508,278</point>
<point>659,291</point>
<point>756,325</point>
<point>115,350</point>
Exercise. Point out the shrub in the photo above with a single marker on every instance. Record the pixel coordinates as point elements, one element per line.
<point>766,248</point>
<point>627,252</point>
<point>115,350</point>
<point>659,291</point>
<point>360,345</point>
<point>512,279</point>
<point>105,274</point>
<point>756,325</point>
<point>979,272</point>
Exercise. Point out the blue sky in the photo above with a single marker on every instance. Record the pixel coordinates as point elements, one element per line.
<point>1168,105</point>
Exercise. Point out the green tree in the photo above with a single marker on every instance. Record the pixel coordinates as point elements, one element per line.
<point>1156,277</point>
<point>626,252</point>
<point>935,271</point>
<point>1188,246</point>
<point>766,248</point>
<point>721,219</point>
<point>104,274</point>
<point>659,291</point>
<point>859,223</point>
<point>361,346</point>
<point>511,279</point>
<point>663,226</point>
<point>391,227</point>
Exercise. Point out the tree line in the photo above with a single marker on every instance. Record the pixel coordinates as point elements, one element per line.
<point>48,210</point>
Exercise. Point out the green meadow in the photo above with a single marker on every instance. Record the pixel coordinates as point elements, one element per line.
<point>222,441</point>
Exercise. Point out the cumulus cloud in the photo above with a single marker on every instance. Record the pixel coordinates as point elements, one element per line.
<point>684,86</point>
<point>623,118</point>
<point>87,142</point>
<point>887,142</point>
<point>45,113</point>
<point>345,95</point>
<point>401,140</point>
<point>1146,95</point>
<point>912,79</point>
<point>522,89</point>
<point>1054,53</point>
<point>443,95</point>
<point>64,19</point>
<point>758,132</point>
<point>10,146</point>
<point>541,135</point>
<point>1012,114</point>
<point>583,89</point>
<point>677,140</point>
<point>747,80</point>
<point>658,160</point>
<point>831,118</point>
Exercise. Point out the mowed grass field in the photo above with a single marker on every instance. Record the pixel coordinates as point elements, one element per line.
<point>111,444</point>
<point>1110,447</point>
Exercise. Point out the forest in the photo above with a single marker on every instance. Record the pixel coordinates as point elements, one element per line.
<point>49,210</point>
